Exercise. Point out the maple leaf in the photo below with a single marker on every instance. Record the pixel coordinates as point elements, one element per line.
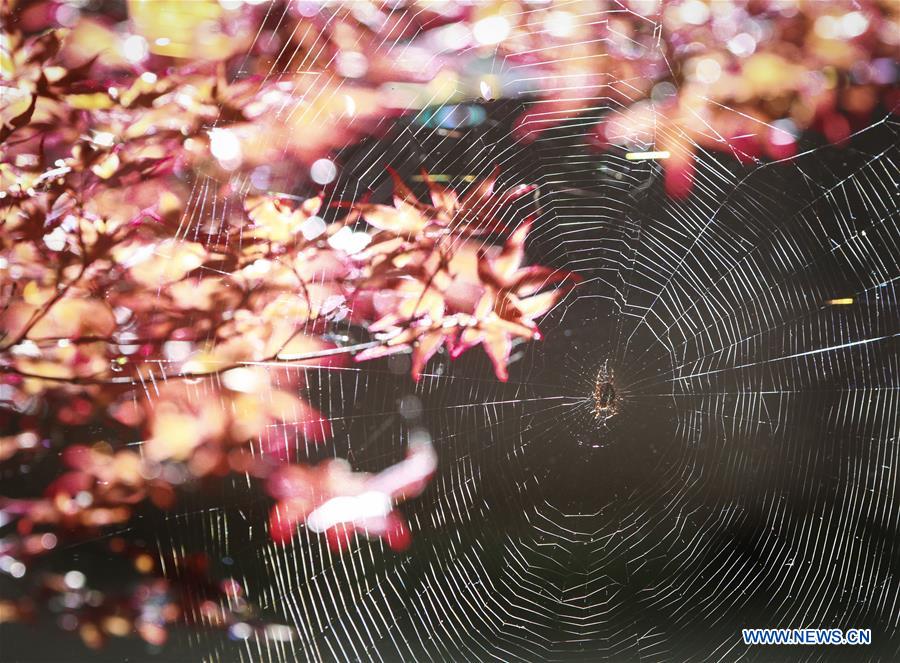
<point>511,302</point>
<point>334,500</point>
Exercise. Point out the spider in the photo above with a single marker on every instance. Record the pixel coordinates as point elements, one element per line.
<point>606,399</point>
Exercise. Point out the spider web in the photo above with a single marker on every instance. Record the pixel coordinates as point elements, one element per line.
<point>748,479</point>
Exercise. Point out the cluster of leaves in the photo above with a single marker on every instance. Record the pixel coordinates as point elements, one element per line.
<point>147,343</point>
<point>737,76</point>
<point>446,287</point>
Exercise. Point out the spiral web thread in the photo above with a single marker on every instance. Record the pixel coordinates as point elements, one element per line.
<point>774,491</point>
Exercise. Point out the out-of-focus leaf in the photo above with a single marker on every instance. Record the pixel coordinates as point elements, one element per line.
<point>169,261</point>
<point>70,317</point>
<point>90,101</point>
<point>18,121</point>
<point>182,29</point>
<point>107,167</point>
<point>46,46</point>
<point>175,434</point>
